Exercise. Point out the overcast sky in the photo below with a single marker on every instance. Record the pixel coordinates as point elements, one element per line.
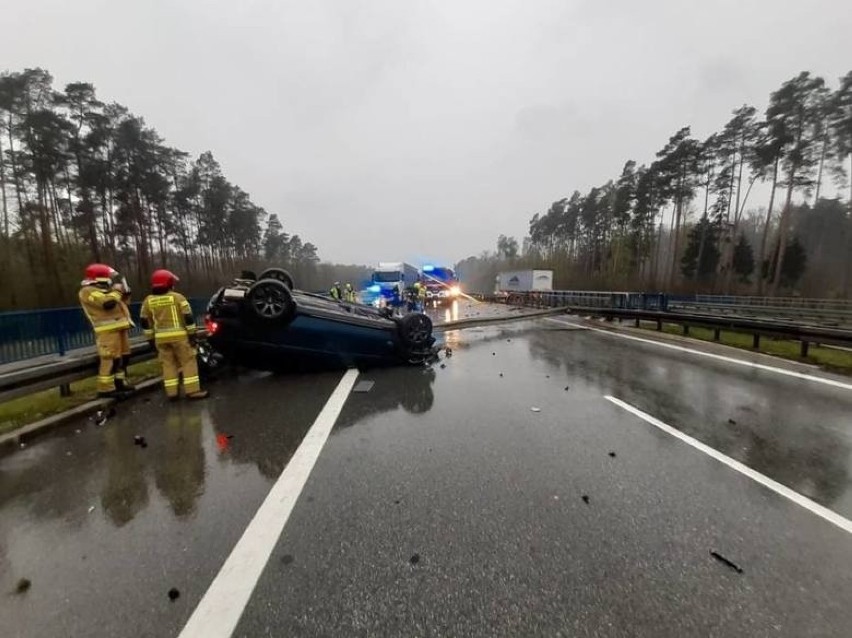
<point>422,129</point>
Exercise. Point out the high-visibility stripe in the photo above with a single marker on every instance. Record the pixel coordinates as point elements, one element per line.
<point>170,335</point>
<point>171,383</point>
<point>188,380</point>
<point>112,326</point>
<point>148,333</point>
<point>108,379</point>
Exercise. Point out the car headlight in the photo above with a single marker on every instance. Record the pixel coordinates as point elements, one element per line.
<point>455,291</point>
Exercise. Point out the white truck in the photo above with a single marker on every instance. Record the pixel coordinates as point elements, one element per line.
<point>524,281</point>
<point>390,280</point>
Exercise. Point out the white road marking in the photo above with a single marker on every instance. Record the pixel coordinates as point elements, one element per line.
<point>823,512</point>
<point>719,357</point>
<point>222,606</point>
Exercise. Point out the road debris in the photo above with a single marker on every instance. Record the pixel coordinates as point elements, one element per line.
<point>363,386</point>
<point>91,508</point>
<point>286,559</point>
<point>612,454</point>
<point>23,586</point>
<point>448,352</point>
<point>501,374</point>
<point>731,422</point>
<point>415,558</point>
<point>585,498</point>
<point>727,562</point>
<point>174,594</point>
<point>535,409</point>
<point>140,441</point>
<point>443,365</point>
<point>77,431</point>
<point>567,387</point>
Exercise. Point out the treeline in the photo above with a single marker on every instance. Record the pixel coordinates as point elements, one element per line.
<point>687,220</point>
<point>82,180</point>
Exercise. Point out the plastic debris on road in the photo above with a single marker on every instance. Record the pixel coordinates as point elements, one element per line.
<point>174,594</point>
<point>23,586</point>
<point>534,409</point>
<point>586,498</point>
<point>364,386</point>
<point>726,561</point>
<point>140,441</point>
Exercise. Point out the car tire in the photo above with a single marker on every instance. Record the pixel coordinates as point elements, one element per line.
<point>416,330</point>
<point>278,274</point>
<point>271,300</point>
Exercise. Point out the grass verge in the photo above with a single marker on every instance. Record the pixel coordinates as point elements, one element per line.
<point>832,359</point>
<point>32,407</point>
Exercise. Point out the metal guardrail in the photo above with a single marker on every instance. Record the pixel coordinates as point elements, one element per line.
<point>34,333</point>
<point>51,375</point>
<point>624,306</point>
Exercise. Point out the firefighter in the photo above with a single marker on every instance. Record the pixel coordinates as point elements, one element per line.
<point>120,284</point>
<point>421,295</point>
<point>108,315</point>
<point>170,327</point>
<point>335,291</point>
<point>349,293</point>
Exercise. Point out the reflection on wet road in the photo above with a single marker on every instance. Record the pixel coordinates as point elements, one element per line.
<point>450,464</point>
<point>104,528</point>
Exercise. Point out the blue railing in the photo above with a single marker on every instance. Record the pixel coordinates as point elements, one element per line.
<point>34,333</point>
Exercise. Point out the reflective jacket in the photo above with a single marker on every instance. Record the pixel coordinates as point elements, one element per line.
<point>104,309</point>
<point>167,317</point>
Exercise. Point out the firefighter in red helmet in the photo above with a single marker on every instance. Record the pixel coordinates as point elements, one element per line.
<point>110,320</point>
<point>169,325</point>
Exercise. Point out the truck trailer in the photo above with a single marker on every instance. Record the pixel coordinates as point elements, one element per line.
<point>524,281</point>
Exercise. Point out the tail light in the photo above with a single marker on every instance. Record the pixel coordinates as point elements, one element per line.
<point>210,325</point>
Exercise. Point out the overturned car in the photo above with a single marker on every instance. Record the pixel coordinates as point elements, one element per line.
<point>265,323</point>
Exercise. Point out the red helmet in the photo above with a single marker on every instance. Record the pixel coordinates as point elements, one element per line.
<point>99,272</point>
<point>163,279</point>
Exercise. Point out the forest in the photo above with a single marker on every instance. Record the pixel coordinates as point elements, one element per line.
<point>83,180</point>
<point>689,220</point>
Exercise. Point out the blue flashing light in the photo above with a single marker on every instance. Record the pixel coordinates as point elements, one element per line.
<point>428,268</point>
<point>375,288</point>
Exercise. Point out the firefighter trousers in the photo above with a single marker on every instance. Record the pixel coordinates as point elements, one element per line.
<point>109,351</point>
<point>178,357</point>
<point>124,361</point>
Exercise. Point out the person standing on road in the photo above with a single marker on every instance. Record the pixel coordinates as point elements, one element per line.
<point>349,293</point>
<point>108,315</point>
<point>421,296</point>
<point>170,328</point>
<point>121,374</point>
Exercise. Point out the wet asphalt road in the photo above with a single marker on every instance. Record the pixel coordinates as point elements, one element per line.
<point>442,505</point>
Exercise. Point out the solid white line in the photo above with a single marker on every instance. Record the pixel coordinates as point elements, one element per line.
<point>220,609</point>
<point>823,512</point>
<point>719,357</point>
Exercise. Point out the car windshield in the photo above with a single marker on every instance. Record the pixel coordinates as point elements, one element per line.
<point>387,277</point>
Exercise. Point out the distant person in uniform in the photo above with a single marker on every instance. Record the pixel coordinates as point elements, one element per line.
<point>335,291</point>
<point>349,293</point>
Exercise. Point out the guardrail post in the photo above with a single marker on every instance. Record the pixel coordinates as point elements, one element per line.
<point>659,325</point>
<point>61,345</point>
<point>717,334</point>
<point>804,349</point>
<point>637,323</point>
<point>685,330</point>
<point>755,342</point>
<point>65,390</point>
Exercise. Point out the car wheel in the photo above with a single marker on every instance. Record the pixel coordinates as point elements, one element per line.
<point>278,274</point>
<point>416,329</point>
<point>271,299</point>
